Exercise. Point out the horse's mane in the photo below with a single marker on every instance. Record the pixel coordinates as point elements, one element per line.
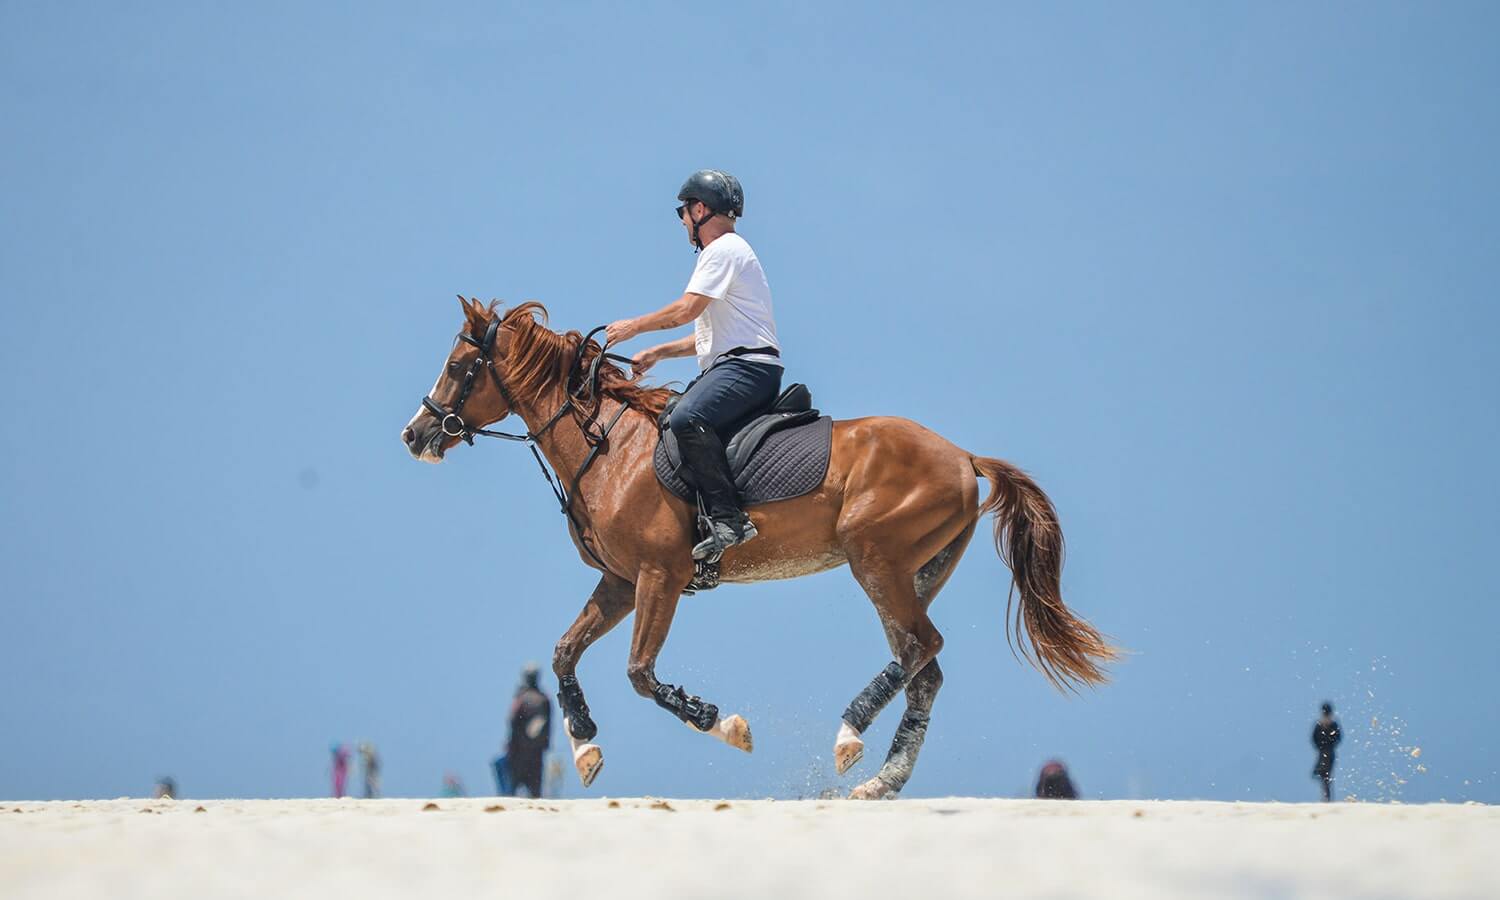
<point>538,357</point>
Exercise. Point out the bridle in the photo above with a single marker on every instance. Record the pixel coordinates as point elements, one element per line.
<point>485,361</point>
<point>453,425</point>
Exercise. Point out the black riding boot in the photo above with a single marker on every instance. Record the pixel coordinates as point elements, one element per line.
<point>708,470</point>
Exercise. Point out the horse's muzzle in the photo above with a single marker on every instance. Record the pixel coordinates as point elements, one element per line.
<point>424,444</point>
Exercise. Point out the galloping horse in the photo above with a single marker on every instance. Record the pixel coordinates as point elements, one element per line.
<point>898,505</point>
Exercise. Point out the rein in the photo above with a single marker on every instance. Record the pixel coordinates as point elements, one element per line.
<point>587,388</point>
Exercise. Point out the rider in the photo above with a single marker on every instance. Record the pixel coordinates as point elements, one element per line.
<point>734,337</point>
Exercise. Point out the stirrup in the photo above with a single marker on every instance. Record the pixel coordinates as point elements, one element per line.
<point>721,535</point>
<point>705,576</point>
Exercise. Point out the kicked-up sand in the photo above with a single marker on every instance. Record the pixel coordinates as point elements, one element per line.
<point>766,850</point>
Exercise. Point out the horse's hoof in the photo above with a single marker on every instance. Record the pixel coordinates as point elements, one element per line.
<point>588,759</point>
<point>874,789</point>
<point>846,753</point>
<point>736,733</point>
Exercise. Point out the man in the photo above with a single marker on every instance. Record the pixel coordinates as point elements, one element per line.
<point>1326,736</point>
<point>369,763</point>
<point>530,733</point>
<point>734,338</point>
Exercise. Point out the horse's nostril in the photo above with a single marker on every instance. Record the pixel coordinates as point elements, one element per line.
<point>407,435</point>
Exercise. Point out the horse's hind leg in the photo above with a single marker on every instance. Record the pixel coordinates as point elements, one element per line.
<point>611,602</point>
<point>921,691</point>
<point>884,569</point>
<point>907,742</point>
<point>914,640</point>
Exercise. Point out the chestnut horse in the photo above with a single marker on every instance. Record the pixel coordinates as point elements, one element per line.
<point>898,505</point>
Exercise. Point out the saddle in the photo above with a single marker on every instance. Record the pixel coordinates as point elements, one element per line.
<point>777,455</point>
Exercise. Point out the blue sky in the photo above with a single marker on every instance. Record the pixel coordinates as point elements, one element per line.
<point>1222,279</point>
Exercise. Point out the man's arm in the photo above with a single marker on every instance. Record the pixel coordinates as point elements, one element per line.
<point>644,360</point>
<point>679,312</point>
<point>683,346</point>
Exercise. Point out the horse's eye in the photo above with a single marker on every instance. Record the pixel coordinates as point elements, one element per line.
<point>453,367</point>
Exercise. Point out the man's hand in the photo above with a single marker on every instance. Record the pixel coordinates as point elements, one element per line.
<point>644,361</point>
<point>621,331</point>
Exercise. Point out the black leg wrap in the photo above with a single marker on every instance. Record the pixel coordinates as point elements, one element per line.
<point>875,696</point>
<point>570,698</point>
<point>691,710</point>
<point>904,749</point>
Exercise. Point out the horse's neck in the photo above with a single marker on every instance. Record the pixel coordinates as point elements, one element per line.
<point>562,444</point>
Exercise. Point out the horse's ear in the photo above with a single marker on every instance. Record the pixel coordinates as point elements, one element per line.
<point>474,314</point>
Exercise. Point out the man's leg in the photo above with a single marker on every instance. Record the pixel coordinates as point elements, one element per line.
<point>529,776</point>
<point>721,398</point>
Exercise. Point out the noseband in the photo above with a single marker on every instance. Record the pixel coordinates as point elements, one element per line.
<point>453,425</point>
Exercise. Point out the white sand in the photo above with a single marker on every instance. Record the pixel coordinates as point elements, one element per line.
<point>356,850</point>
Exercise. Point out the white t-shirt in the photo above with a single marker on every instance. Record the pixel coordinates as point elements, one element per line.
<point>740,314</point>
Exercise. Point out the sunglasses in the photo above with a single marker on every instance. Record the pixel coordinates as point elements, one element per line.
<point>681,208</point>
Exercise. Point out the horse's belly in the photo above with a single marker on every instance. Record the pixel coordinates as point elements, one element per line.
<point>744,570</point>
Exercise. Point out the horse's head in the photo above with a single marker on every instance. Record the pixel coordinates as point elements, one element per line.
<point>469,393</point>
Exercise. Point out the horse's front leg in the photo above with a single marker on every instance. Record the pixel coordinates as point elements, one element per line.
<point>656,595</point>
<point>611,602</point>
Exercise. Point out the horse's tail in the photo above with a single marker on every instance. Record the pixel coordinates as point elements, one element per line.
<point>1064,647</point>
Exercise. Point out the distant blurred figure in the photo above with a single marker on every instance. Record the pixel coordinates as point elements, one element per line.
<point>452,786</point>
<point>369,765</point>
<point>530,733</point>
<point>340,767</point>
<point>1326,736</point>
<point>1054,783</point>
<point>166,788</point>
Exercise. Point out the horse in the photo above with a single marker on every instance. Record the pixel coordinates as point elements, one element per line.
<point>898,506</point>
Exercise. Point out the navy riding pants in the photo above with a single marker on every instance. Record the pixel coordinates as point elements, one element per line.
<point>726,395</point>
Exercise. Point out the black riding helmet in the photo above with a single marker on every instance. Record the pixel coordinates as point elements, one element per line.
<point>719,191</point>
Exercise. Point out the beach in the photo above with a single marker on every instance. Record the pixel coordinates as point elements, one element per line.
<point>667,848</point>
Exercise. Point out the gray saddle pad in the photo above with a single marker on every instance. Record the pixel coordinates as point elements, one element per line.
<point>788,464</point>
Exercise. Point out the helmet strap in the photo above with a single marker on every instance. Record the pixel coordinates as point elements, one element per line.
<point>698,223</point>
